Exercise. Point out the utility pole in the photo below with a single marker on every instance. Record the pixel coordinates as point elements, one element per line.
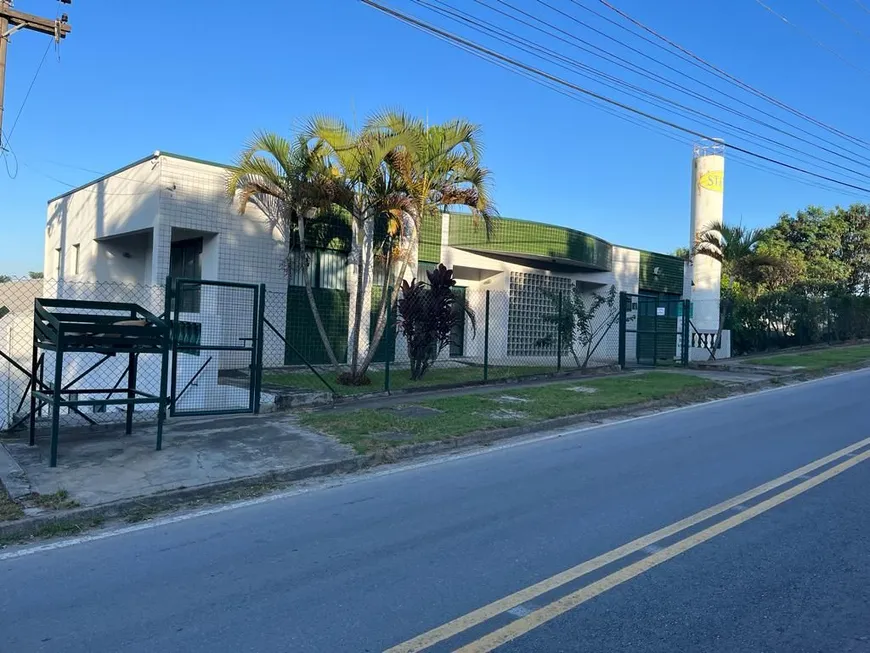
<point>12,21</point>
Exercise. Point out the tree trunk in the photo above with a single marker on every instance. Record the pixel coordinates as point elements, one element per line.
<point>356,323</point>
<point>312,302</point>
<point>381,324</point>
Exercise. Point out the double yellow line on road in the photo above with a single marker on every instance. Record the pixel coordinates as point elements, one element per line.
<point>572,600</point>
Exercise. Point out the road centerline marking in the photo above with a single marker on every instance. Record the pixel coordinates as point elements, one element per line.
<point>527,594</point>
<point>560,606</point>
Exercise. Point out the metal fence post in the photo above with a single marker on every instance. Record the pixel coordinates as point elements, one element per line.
<point>486,340</point>
<point>258,346</point>
<point>389,343</point>
<point>623,298</point>
<point>684,349</point>
<point>559,336</point>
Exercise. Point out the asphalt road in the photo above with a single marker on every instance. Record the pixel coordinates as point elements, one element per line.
<point>376,561</point>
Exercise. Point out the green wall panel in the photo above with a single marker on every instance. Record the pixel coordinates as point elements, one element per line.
<point>302,332</point>
<point>430,240</point>
<point>661,273</point>
<point>519,237</point>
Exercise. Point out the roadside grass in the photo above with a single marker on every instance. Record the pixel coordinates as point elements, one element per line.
<point>400,379</point>
<point>9,509</point>
<point>59,500</point>
<point>367,430</point>
<point>819,359</point>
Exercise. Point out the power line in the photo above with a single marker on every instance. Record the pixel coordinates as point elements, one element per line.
<point>27,94</point>
<point>512,39</point>
<point>708,69</point>
<point>431,29</point>
<point>732,78</point>
<point>812,38</point>
<point>842,20</point>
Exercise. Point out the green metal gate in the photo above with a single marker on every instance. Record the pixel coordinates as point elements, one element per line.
<point>217,346</point>
<point>653,330</point>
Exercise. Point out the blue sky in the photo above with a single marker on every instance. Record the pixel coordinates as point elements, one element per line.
<point>198,77</point>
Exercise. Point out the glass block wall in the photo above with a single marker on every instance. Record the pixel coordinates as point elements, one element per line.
<point>529,301</point>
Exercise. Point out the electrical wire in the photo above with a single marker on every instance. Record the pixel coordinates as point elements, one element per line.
<point>682,73</point>
<point>514,40</point>
<point>842,20</point>
<point>812,38</point>
<point>700,61</point>
<point>27,94</point>
<point>431,29</point>
<point>652,127</point>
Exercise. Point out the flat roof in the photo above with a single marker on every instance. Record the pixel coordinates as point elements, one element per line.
<point>135,163</point>
<point>159,153</point>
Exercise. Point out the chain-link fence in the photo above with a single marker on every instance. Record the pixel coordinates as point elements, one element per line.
<point>429,336</point>
<point>80,370</point>
<point>433,335</point>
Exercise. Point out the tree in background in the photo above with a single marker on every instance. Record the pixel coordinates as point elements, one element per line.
<point>293,185</point>
<point>5,278</point>
<point>428,313</point>
<point>582,323</point>
<point>35,275</point>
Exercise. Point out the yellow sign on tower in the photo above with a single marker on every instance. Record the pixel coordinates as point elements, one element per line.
<point>713,180</point>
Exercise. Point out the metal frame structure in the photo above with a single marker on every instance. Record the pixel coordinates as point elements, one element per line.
<point>65,326</point>
<point>175,287</point>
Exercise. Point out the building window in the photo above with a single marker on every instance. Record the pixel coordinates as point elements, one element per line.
<point>185,262</point>
<point>76,250</point>
<point>57,263</point>
<point>326,269</point>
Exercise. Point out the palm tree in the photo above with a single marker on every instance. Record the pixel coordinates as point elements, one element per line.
<point>726,243</point>
<point>736,247</point>
<point>359,159</point>
<point>292,184</point>
<point>440,169</point>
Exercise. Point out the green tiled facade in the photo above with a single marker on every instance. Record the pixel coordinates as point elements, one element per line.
<point>660,273</point>
<point>429,248</point>
<point>521,237</point>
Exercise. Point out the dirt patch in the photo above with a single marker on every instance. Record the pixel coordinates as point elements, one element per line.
<point>506,414</point>
<point>415,411</point>
<point>585,389</point>
<point>508,399</point>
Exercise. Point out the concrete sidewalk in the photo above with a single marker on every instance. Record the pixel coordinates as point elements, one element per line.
<point>98,467</point>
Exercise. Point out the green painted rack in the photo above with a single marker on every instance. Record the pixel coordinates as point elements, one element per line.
<point>67,326</point>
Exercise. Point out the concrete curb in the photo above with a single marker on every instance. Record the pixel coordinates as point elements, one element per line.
<point>165,501</point>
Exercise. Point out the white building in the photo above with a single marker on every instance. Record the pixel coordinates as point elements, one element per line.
<point>169,215</point>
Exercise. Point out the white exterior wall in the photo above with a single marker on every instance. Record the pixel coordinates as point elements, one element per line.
<point>123,225</point>
<point>124,203</point>
<point>707,207</point>
<point>480,273</point>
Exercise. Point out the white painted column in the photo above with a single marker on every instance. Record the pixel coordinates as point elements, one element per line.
<point>362,262</point>
<point>708,176</point>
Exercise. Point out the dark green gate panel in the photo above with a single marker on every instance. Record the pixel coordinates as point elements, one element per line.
<point>457,334</point>
<point>386,341</point>
<point>302,330</point>
<point>656,335</point>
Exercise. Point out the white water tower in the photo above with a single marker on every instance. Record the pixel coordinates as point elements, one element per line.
<point>708,183</point>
